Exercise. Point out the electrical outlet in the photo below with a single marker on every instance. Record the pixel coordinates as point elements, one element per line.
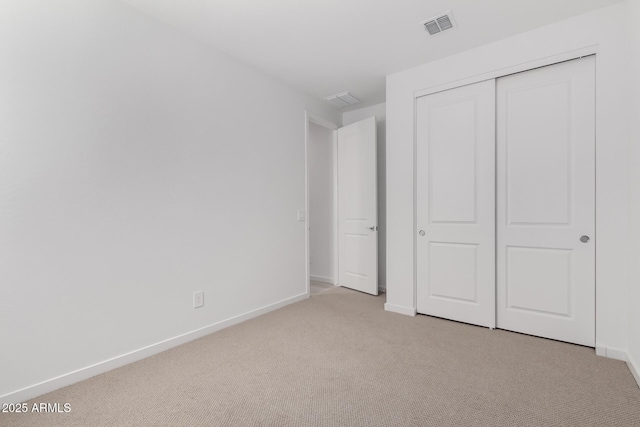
<point>198,299</point>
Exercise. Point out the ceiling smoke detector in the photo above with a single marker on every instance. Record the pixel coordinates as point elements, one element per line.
<point>439,23</point>
<point>342,99</point>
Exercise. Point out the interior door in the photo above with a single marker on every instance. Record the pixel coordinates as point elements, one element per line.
<point>455,204</point>
<point>357,207</point>
<point>546,202</point>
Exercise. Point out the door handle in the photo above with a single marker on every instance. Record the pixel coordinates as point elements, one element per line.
<point>373,228</point>
<point>421,232</point>
<point>585,239</point>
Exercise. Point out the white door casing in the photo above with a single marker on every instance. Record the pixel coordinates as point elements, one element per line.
<point>357,207</point>
<point>455,204</point>
<point>546,202</point>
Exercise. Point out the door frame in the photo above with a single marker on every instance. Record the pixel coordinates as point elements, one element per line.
<point>496,74</point>
<point>328,124</point>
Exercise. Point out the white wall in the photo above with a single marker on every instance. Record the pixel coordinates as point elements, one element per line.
<point>380,112</point>
<point>321,203</point>
<point>136,167</point>
<point>602,28</point>
<point>634,190</point>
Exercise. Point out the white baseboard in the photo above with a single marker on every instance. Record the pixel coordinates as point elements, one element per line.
<point>634,368</point>
<point>322,279</point>
<point>611,353</point>
<point>50,385</point>
<point>399,309</point>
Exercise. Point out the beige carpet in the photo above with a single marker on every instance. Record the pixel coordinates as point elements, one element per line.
<point>338,359</point>
<point>319,287</point>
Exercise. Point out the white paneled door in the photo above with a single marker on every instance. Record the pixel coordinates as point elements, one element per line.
<point>546,202</point>
<point>455,204</point>
<point>357,207</point>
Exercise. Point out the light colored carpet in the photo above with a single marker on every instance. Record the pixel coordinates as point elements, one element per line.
<point>319,287</point>
<point>338,359</point>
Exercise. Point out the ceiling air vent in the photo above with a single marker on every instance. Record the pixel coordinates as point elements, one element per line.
<point>342,99</point>
<point>439,23</point>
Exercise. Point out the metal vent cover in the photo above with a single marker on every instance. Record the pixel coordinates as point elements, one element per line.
<point>439,23</point>
<point>432,27</point>
<point>342,99</point>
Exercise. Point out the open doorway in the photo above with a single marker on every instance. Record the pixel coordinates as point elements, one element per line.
<point>321,204</point>
<point>342,207</point>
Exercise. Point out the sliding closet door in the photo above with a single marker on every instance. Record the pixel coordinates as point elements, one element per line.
<point>456,204</point>
<point>546,202</point>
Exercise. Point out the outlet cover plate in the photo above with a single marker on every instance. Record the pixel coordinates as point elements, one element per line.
<point>198,299</point>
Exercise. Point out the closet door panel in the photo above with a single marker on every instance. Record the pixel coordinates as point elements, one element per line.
<point>546,202</point>
<point>455,203</point>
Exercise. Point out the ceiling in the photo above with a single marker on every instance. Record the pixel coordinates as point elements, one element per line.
<point>323,47</point>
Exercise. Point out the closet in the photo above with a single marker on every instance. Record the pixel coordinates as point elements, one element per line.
<point>505,202</point>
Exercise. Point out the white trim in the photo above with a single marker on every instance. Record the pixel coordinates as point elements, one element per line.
<point>414,160</point>
<point>399,309</point>
<point>64,380</point>
<point>616,354</point>
<point>518,68</point>
<point>611,353</point>
<point>307,252</point>
<point>634,368</point>
<point>322,279</point>
<point>322,122</point>
<point>311,118</point>
<point>336,247</point>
